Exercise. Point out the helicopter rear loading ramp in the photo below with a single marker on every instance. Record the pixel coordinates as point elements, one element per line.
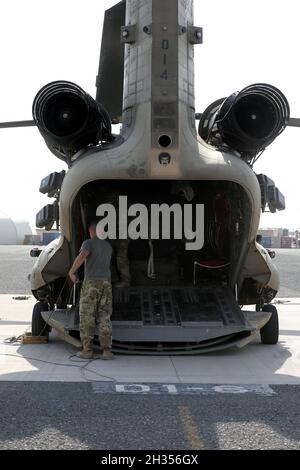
<point>164,320</point>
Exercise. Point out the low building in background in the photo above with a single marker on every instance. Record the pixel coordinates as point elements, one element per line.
<point>13,232</point>
<point>32,240</point>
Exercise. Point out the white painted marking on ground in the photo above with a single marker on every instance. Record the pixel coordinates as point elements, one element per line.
<point>132,388</point>
<point>180,389</point>
<point>230,389</point>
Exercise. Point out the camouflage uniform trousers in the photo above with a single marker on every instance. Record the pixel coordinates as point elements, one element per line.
<point>95,310</point>
<point>121,247</point>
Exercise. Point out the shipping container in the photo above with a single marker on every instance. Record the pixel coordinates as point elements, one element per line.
<point>48,237</point>
<point>286,242</point>
<point>266,242</point>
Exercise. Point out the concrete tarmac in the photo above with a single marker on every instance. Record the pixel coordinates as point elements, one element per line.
<point>55,361</point>
<point>235,399</point>
<point>43,415</point>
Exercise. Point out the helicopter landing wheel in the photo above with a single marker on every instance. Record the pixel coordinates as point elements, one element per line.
<point>270,332</point>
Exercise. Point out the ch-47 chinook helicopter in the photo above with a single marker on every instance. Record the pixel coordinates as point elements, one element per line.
<point>179,301</point>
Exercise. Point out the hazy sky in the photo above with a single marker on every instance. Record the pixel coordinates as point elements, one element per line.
<point>41,41</point>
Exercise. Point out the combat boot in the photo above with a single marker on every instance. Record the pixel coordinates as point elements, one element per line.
<point>105,343</point>
<point>85,354</point>
<point>87,349</point>
<point>107,355</point>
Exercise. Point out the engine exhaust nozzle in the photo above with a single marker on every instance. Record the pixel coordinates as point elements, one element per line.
<point>68,118</point>
<point>247,121</point>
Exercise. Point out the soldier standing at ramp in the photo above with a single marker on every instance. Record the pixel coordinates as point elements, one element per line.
<point>95,308</point>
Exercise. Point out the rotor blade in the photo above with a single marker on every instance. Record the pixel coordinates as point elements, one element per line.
<point>294,122</point>
<point>111,67</point>
<point>6,125</point>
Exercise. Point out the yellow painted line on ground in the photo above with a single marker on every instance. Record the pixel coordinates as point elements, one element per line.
<point>190,428</point>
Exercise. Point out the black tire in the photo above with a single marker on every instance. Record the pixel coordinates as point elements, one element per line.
<point>270,332</point>
<point>38,325</point>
